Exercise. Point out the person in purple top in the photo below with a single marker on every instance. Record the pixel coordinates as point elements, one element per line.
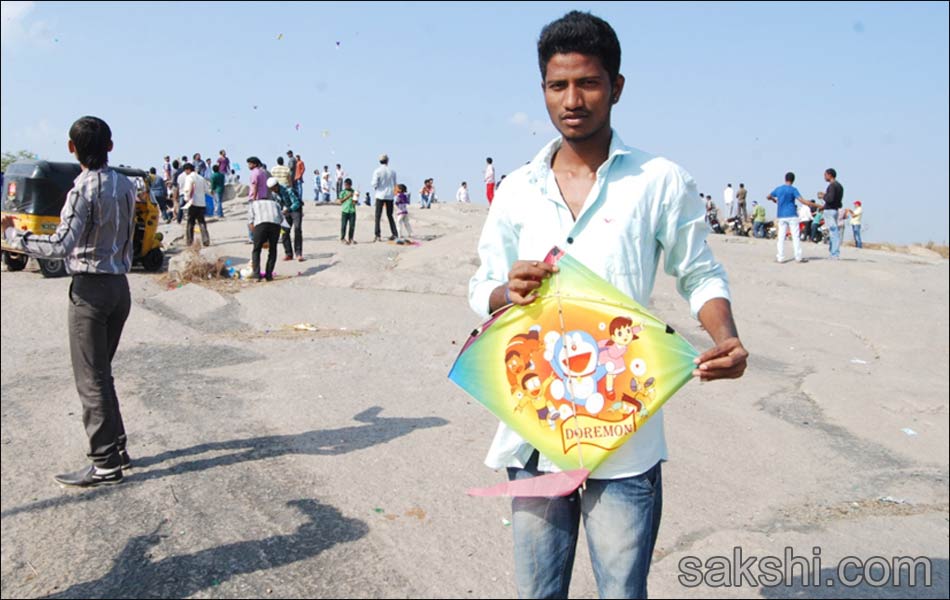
<point>258,182</point>
<point>224,163</point>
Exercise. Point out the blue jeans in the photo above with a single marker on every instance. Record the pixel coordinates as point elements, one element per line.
<point>857,235</point>
<point>298,189</point>
<point>219,206</point>
<point>834,234</point>
<point>758,229</point>
<point>426,200</point>
<point>621,518</point>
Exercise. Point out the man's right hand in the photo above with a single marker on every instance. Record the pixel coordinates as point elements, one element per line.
<point>524,279</point>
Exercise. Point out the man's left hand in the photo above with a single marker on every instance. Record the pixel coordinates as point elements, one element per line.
<point>728,360</point>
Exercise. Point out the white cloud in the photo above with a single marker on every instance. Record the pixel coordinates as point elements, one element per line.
<point>16,26</point>
<point>519,119</point>
<point>522,120</point>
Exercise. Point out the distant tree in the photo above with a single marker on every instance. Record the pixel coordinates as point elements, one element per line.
<point>11,157</point>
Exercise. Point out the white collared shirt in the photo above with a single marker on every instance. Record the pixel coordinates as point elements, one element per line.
<point>639,206</point>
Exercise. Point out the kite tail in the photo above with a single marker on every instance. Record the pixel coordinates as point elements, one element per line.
<point>549,485</point>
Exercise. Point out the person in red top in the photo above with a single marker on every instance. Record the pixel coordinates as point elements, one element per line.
<point>299,172</point>
<point>489,180</point>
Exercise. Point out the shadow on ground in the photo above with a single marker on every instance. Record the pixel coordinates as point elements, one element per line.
<point>375,430</point>
<point>135,575</point>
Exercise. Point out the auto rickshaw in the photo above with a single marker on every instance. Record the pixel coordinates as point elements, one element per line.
<point>36,193</point>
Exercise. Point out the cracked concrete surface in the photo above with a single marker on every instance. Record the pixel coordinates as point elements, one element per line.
<point>333,463</point>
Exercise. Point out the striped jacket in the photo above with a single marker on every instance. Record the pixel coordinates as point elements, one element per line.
<point>96,226</point>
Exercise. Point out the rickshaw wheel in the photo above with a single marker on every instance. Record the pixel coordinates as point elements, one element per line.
<point>153,260</point>
<point>52,268</point>
<point>15,262</point>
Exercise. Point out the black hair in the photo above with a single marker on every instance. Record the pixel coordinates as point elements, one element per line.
<point>280,160</point>
<point>215,169</point>
<point>741,185</point>
<point>290,152</point>
<point>153,171</point>
<point>464,183</point>
<point>832,172</point>
<point>253,160</point>
<point>92,138</point>
<point>488,160</point>
<point>175,164</point>
<point>582,33</point>
<point>347,181</point>
<point>790,177</point>
<point>189,167</point>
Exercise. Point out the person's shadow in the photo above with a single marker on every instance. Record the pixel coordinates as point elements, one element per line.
<point>135,575</point>
<point>374,430</point>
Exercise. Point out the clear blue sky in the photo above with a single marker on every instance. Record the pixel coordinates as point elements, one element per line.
<point>733,92</point>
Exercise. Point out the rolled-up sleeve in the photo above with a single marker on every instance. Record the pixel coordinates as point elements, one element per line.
<point>682,234</point>
<point>60,244</point>
<point>497,251</point>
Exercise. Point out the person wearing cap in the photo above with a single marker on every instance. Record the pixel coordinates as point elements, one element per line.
<point>264,215</point>
<point>384,185</point>
<point>855,214</point>
<point>291,207</point>
<point>194,189</point>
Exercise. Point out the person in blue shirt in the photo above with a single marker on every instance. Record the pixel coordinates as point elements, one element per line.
<point>621,212</point>
<point>787,198</point>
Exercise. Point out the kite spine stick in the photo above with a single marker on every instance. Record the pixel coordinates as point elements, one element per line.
<point>570,380</point>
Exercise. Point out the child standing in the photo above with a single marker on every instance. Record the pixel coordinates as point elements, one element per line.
<point>402,214</point>
<point>316,187</point>
<point>348,201</point>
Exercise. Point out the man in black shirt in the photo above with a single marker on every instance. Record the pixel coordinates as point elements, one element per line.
<point>833,197</point>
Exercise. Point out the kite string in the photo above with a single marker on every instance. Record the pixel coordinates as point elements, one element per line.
<point>570,381</point>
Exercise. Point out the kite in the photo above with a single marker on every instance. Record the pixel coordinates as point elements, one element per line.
<point>576,373</point>
<point>280,36</point>
<point>298,126</point>
<point>325,133</point>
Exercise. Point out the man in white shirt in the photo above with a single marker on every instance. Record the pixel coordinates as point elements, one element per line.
<point>194,187</point>
<point>340,177</point>
<point>615,209</point>
<point>325,184</point>
<point>384,186</point>
<point>729,199</point>
<point>804,222</point>
<point>462,194</point>
<point>489,180</point>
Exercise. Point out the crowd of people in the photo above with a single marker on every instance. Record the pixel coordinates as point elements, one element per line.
<point>797,218</point>
<point>189,191</point>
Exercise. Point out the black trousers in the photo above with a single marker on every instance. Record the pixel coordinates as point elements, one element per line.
<point>389,215</point>
<point>270,233</point>
<point>349,219</point>
<point>295,219</point>
<point>98,308</point>
<point>197,214</point>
